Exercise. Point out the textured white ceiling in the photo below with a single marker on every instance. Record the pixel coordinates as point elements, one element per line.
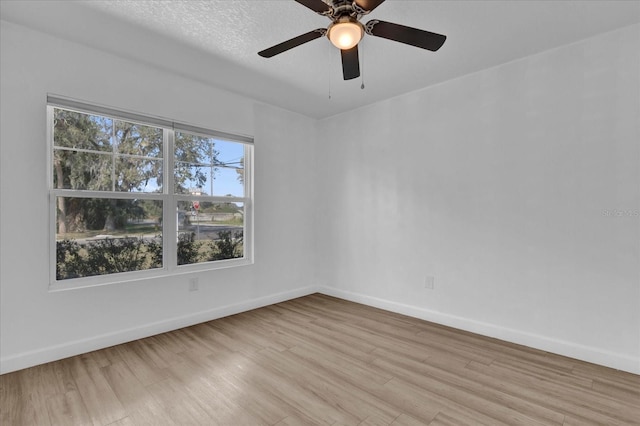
<point>217,41</point>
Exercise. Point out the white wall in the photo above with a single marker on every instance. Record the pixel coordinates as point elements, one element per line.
<point>497,184</point>
<point>37,325</point>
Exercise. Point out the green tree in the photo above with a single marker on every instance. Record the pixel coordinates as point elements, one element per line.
<point>240,171</point>
<point>77,131</point>
<point>194,156</point>
<point>106,256</point>
<point>226,246</point>
<point>188,249</point>
<point>102,154</point>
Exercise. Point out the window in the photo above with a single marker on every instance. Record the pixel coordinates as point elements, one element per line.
<point>136,197</point>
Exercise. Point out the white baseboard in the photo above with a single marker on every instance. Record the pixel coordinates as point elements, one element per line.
<point>573,350</point>
<point>585,353</point>
<point>65,350</point>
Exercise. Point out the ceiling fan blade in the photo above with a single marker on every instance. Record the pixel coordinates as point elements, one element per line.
<point>317,6</point>
<point>369,5</point>
<point>294,42</point>
<point>350,63</point>
<point>407,35</point>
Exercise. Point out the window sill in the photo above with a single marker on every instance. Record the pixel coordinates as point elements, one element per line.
<point>160,273</point>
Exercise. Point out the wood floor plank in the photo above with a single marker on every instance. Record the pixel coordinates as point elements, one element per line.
<point>252,389</point>
<point>178,404</point>
<point>11,398</point>
<point>43,383</point>
<point>99,399</point>
<point>128,389</point>
<point>17,404</point>
<point>457,419</point>
<point>219,396</point>
<point>339,387</point>
<point>567,391</point>
<point>319,360</point>
<point>64,373</point>
<point>123,422</point>
<point>557,375</point>
<point>297,421</point>
<point>374,421</point>
<point>314,334</point>
<point>411,400</point>
<point>457,383</point>
<point>407,420</point>
<point>192,339</point>
<point>456,339</point>
<point>616,390</point>
<point>154,352</point>
<point>213,335</point>
<point>273,335</point>
<point>474,401</point>
<point>286,310</point>
<point>355,372</point>
<point>324,403</point>
<point>170,342</point>
<point>571,401</point>
<point>68,409</point>
<point>306,402</point>
<point>43,380</point>
<point>145,370</point>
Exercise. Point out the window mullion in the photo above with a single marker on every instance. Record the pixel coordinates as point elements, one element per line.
<point>248,205</point>
<point>215,199</point>
<point>169,160</point>
<point>50,145</point>
<point>170,205</point>
<point>113,155</point>
<point>248,167</point>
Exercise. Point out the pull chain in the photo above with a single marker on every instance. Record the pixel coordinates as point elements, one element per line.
<point>329,69</point>
<point>361,67</point>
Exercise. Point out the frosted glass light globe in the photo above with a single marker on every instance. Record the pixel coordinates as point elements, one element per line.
<point>345,35</point>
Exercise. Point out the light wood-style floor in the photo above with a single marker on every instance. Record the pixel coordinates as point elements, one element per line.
<point>319,360</point>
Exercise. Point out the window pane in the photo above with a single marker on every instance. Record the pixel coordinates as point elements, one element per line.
<point>91,161</point>
<point>138,175</point>
<point>192,179</point>
<point>206,180</point>
<point>194,158</point>
<point>137,139</point>
<point>82,170</point>
<point>229,177</point>
<point>82,131</point>
<point>98,236</point>
<point>209,231</point>
<point>228,181</point>
<point>208,166</point>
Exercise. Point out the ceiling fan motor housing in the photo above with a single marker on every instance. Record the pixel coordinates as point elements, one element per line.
<point>341,8</point>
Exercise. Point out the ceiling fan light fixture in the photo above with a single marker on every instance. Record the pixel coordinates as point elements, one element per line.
<point>345,34</point>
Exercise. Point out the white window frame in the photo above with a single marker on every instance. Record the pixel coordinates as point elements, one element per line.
<point>168,198</point>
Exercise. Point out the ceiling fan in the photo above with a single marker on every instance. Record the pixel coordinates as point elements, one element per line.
<point>346,31</point>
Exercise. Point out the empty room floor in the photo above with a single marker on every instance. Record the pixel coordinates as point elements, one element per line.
<point>319,360</point>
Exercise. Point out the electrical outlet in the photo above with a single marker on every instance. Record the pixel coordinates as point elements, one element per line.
<point>429,282</point>
<point>193,284</point>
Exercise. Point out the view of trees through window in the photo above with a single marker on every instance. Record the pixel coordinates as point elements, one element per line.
<point>111,195</point>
